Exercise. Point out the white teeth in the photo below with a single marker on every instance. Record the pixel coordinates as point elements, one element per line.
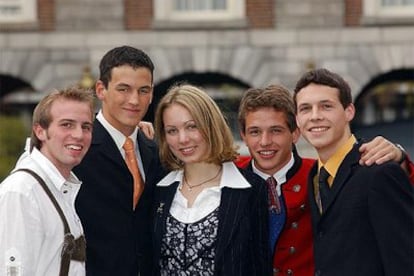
<point>73,147</point>
<point>318,129</point>
<point>186,150</point>
<point>267,152</point>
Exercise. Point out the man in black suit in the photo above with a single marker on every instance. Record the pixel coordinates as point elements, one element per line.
<point>117,225</point>
<point>362,217</point>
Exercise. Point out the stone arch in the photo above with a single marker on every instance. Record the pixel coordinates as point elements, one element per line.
<point>245,63</point>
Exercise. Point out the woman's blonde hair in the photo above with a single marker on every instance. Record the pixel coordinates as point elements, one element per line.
<point>209,120</point>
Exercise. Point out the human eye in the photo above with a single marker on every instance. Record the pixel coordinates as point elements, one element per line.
<point>276,130</point>
<point>122,89</point>
<point>144,90</point>
<point>67,124</point>
<point>304,108</point>
<point>171,131</point>
<point>327,106</point>
<point>192,126</point>
<point>87,127</point>
<point>253,132</point>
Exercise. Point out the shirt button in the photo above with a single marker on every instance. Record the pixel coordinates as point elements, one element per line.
<point>303,207</point>
<point>289,272</point>
<point>65,191</point>
<point>275,271</point>
<point>292,250</point>
<point>296,188</point>
<point>12,258</point>
<point>294,225</point>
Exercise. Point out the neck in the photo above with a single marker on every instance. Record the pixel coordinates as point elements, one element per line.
<point>196,173</point>
<point>327,152</point>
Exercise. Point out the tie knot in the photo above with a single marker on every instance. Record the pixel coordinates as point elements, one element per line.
<point>271,180</point>
<point>128,145</point>
<point>323,175</point>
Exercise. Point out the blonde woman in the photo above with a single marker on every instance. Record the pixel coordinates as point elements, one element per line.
<point>210,217</point>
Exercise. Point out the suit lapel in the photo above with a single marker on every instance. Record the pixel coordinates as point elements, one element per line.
<point>232,207</point>
<point>163,199</point>
<point>103,142</point>
<point>343,174</point>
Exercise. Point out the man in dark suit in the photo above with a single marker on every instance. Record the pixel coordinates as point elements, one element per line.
<point>117,223</point>
<point>362,217</point>
<point>268,127</point>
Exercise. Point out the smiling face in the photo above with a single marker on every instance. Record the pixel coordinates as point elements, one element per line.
<point>68,137</point>
<point>127,97</point>
<point>182,135</point>
<point>268,138</point>
<point>322,119</point>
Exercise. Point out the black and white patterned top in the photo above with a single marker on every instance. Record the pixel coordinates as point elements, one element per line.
<point>189,248</point>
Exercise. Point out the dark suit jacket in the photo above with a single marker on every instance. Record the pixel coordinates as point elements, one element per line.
<point>118,238</point>
<point>242,240</point>
<point>368,226</point>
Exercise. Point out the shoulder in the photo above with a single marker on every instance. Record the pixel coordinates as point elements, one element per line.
<point>308,163</point>
<point>18,183</point>
<point>255,181</point>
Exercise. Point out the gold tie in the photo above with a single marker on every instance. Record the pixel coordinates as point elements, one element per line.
<point>131,161</point>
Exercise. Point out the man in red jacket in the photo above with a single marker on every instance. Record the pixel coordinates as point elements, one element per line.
<point>268,128</point>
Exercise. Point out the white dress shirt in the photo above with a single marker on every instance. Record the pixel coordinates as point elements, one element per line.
<point>208,200</point>
<point>279,176</point>
<point>31,230</point>
<point>119,140</point>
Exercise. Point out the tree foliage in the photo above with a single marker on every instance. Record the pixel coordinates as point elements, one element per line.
<point>13,134</point>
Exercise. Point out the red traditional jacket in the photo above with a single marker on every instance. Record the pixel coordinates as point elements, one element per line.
<point>294,247</point>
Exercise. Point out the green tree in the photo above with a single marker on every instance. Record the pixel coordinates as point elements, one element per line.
<point>13,134</point>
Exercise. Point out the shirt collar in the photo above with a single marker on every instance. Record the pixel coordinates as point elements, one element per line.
<point>116,135</point>
<point>333,163</point>
<point>280,175</point>
<point>51,171</point>
<point>231,177</point>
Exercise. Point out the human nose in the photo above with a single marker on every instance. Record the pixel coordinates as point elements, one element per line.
<point>77,132</point>
<point>265,139</point>
<point>134,98</point>
<point>315,113</point>
<point>182,136</point>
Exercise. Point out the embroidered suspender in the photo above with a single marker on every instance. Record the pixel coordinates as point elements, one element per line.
<point>72,249</point>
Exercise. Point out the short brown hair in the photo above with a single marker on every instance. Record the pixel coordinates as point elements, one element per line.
<point>209,119</point>
<point>325,77</point>
<point>273,96</point>
<point>42,115</point>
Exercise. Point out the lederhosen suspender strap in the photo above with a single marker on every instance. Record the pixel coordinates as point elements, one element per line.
<point>72,249</point>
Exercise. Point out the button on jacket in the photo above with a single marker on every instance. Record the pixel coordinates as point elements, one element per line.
<point>294,247</point>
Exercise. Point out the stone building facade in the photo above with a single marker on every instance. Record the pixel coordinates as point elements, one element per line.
<point>256,43</point>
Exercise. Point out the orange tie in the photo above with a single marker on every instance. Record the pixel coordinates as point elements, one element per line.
<point>131,161</point>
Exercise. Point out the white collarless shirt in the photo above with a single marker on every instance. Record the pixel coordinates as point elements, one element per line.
<point>31,230</point>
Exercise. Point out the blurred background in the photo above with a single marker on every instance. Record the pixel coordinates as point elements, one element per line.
<point>225,46</point>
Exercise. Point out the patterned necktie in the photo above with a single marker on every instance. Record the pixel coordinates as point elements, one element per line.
<point>323,189</point>
<point>277,214</point>
<point>131,161</point>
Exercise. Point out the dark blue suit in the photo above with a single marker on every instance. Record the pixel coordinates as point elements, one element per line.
<point>118,238</point>
<point>368,226</point>
<point>242,247</point>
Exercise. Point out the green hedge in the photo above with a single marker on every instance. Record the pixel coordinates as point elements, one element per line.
<point>13,135</point>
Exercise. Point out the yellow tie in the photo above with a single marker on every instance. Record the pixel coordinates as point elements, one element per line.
<point>131,161</point>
